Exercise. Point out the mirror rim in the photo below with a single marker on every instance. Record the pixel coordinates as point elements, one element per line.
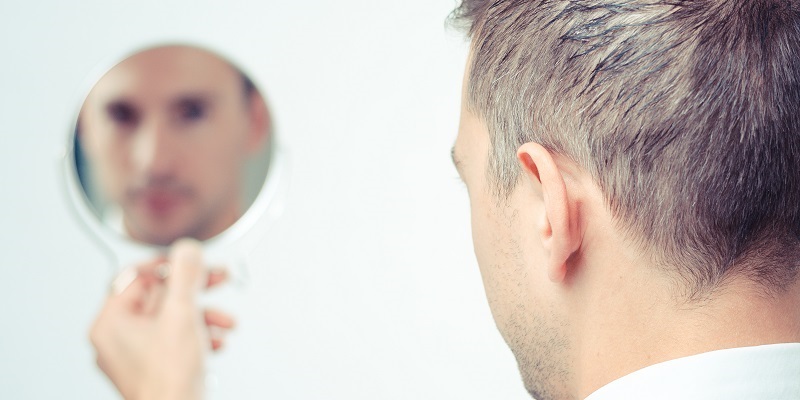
<point>121,246</point>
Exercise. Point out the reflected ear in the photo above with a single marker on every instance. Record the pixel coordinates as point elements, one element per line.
<point>260,122</point>
<point>558,225</point>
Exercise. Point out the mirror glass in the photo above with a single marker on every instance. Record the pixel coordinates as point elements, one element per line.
<point>173,141</point>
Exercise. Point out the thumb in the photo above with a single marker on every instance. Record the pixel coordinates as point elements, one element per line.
<point>187,273</point>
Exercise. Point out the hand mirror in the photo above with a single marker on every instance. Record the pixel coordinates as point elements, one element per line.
<point>173,141</point>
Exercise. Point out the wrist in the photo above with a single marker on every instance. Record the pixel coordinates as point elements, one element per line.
<point>169,388</point>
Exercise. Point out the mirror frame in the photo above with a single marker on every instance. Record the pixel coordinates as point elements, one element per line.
<point>227,247</point>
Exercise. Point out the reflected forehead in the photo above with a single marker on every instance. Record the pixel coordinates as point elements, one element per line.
<point>179,60</point>
<point>171,100</point>
<point>169,73</point>
<point>157,91</point>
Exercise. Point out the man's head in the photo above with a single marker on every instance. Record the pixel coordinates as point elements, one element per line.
<point>167,133</point>
<point>683,115</point>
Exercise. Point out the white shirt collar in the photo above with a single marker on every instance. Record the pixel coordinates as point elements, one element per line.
<point>759,372</point>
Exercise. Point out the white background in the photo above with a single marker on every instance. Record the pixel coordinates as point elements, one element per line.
<point>366,288</point>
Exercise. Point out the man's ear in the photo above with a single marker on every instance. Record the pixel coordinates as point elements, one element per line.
<point>260,122</point>
<point>558,228</point>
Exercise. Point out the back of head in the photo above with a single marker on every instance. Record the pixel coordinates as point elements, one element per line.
<point>686,113</point>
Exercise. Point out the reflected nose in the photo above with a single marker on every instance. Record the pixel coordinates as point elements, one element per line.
<point>153,152</point>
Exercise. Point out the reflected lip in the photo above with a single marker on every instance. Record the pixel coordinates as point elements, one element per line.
<point>159,201</point>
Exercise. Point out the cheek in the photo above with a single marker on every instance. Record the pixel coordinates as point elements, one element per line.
<point>112,168</point>
<point>489,240</point>
<point>224,140</point>
<point>480,236</point>
<point>476,224</point>
<point>495,253</point>
<point>217,161</point>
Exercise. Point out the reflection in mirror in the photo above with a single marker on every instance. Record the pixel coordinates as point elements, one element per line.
<point>172,142</point>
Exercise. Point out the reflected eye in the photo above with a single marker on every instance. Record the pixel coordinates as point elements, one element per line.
<point>190,110</point>
<point>122,113</point>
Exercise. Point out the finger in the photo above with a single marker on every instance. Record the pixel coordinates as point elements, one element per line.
<point>146,289</point>
<point>216,336</point>
<point>156,270</point>
<point>217,343</point>
<point>152,298</point>
<point>102,364</point>
<point>219,319</point>
<point>122,281</point>
<point>127,290</point>
<point>216,276</point>
<point>187,274</point>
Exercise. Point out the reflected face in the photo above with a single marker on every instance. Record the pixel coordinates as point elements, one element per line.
<point>167,133</point>
<point>520,299</point>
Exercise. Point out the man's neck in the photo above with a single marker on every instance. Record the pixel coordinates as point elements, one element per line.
<point>633,323</point>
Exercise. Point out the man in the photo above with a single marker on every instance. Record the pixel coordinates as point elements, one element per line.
<point>632,169</point>
<point>634,174</point>
<point>167,133</point>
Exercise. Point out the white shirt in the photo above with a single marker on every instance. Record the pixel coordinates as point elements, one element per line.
<point>768,372</point>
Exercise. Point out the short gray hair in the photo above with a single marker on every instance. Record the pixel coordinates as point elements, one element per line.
<point>686,113</point>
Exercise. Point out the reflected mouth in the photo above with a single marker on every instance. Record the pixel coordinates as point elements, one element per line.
<point>159,201</point>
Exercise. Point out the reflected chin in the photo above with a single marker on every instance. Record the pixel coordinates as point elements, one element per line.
<point>156,203</point>
<point>155,231</point>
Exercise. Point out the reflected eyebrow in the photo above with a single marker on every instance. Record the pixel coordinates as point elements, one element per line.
<point>121,107</point>
<point>119,101</point>
<point>202,98</point>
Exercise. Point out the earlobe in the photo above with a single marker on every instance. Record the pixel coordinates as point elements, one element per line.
<point>558,228</point>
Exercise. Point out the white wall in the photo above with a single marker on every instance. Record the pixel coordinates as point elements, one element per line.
<point>367,287</point>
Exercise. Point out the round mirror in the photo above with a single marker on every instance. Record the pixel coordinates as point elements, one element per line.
<point>171,142</point>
